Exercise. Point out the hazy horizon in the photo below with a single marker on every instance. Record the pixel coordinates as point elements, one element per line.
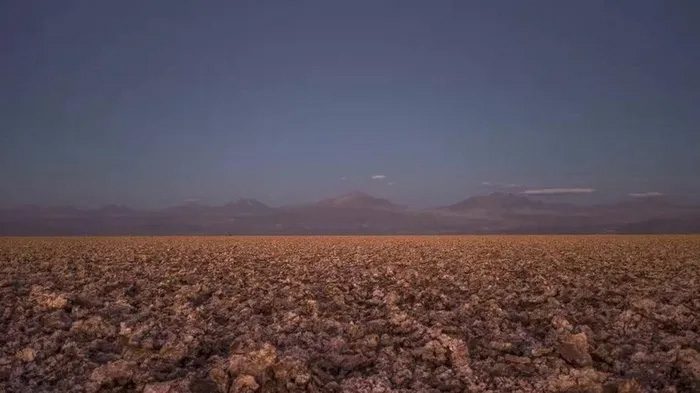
<point>542,195</point>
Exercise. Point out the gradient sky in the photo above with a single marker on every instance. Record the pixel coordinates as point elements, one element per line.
<point>151,103</point>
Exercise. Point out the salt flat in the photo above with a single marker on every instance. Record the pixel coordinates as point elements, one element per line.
<point>353,314</point>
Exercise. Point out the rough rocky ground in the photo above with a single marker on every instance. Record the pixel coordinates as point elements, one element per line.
<point>351,314</point>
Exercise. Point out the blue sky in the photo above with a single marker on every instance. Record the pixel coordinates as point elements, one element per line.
<point>153,103</point>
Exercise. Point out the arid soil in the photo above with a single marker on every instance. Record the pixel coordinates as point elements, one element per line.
<point>350,314</point>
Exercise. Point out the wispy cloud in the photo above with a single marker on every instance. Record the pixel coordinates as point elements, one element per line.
<point>391,183</point>
<point>645,194</point>
<point>556,191</point>
<point>499,185</point>
<point>343,178</point>
<point>378,177</point>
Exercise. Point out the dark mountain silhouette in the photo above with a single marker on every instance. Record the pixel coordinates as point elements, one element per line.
<point>495,201</point>
<point>358,200</point>
<point>247,206</point>
<point>115,211</point>
<point>241,207</point>
<point>359,213</point>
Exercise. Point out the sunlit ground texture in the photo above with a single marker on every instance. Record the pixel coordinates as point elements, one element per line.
<point>350,314</point>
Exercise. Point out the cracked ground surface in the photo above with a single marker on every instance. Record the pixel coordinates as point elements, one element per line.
<point>350,314</point>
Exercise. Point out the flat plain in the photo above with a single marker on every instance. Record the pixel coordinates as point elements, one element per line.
<point>350,314</point>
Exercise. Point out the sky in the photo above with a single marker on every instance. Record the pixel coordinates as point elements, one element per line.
<point>154,103</point>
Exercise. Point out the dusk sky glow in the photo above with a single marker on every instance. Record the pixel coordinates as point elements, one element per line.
<point>424,102</point>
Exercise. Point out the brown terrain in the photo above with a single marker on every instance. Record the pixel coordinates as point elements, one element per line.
<point>350,314</point>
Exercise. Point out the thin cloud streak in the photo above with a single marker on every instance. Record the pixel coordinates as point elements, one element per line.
<point>556,191</point>
<point>645,194</point>
<point>500,185</point>
<point>378,177</point>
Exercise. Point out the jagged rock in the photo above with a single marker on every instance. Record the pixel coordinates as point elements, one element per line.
<point>219,374</point>
<point>574,349</point>
<point>48,300</point>
<point>204,385</point>
<point>579,381</point>
<point>517,359</point>
<point>5,372</point>
<point>95,326</point>
<point>244,384</point>
<point>629,386</point>
<point>644,306</point>
<point>501,346</point>
<point>434,352</point>
<point>178,386</point>
<point>366,385</point>
<point>56,320</point>
<point>27,354</point>
<point>118,372</point>
<point>689,364</point>
<point>458,354</point>
<point>254,362</point>
<point>290,371</point>
<point>561,324</point>
<point>541,351</point>
<point>174,351</point>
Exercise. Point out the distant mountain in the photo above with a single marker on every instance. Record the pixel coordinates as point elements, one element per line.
<point>358,200</point>
<point>187,208</point>
<point>495,201</point>
<point>354,212</point>
<point>648,201</point>
<point>359,213</point>
<point>115,211</point>
<point>647,209</point>
<point>241,207</point>
<point>247,206</point>
<point>647,204</point>
<point>664,225</point>
<point>504,206</point>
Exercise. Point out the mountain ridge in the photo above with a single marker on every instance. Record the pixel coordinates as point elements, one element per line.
<point>358,199</point>
<point>358,213</point>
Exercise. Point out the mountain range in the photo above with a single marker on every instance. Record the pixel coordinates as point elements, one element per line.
<point>360,213</point>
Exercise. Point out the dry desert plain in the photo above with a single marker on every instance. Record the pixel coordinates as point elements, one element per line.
<point>350,314</point>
